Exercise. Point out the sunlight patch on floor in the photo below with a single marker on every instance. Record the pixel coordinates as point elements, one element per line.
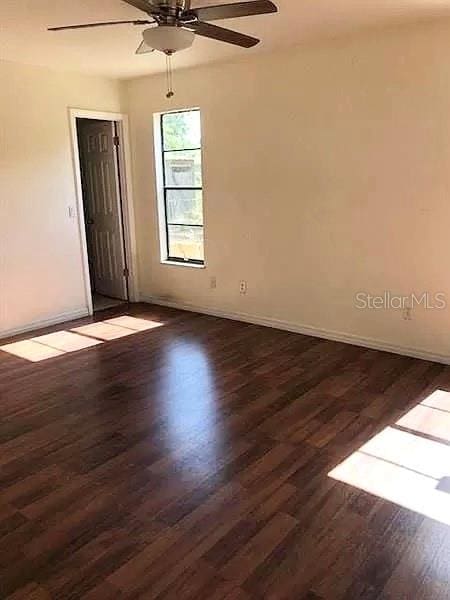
<point>118,327</point>
<point>31,350</point>
<point>50,345</point>
<point>134,323</point>
<point>103,331</point>
<point>59,343</point>
<point>438,399</point>
<point>431,421</point>
<point>407,467</point>
<point>67,341</point>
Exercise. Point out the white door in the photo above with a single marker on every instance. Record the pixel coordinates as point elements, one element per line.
<point>101,199</point>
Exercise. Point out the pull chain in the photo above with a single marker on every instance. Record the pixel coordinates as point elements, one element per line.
<point>169,76</point>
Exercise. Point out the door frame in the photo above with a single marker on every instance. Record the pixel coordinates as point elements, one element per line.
<point>126,193</point>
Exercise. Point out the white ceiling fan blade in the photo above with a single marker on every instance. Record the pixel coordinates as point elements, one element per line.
<point>144,49</point>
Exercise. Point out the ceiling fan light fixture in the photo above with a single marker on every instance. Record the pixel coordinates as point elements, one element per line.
<point>168,38</point>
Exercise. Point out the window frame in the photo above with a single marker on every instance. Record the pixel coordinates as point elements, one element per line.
<point>160,155</point>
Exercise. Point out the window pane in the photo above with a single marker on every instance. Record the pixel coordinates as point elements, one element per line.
<point>181,130</point>
<point>183,169</point>
<point>184,207</point>
<point>186,242</point>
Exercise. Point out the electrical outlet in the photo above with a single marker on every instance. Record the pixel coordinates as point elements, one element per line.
<point>407,313</point>
<point>242,287</point>
<point>213,283</point>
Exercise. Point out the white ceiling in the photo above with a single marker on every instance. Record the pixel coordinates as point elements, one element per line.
<point>110,51</point>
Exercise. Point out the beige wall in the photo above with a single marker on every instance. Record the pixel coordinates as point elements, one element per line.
<point>326,173</point>
<point>40,260</point>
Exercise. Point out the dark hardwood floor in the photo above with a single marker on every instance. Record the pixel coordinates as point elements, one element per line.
<point>211,459</point>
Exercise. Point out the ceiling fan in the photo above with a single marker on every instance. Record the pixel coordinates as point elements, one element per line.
<point>177,23</point>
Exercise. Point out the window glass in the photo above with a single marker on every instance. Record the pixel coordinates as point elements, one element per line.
<point>182,182</point>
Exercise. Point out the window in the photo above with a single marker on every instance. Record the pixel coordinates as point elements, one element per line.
<point>180,185</point>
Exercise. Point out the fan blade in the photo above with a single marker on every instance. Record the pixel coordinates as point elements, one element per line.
<point>144,49</point>
<point>222,35</point>
<point>231,11</point>
<point>84,25</point>
<point>143,5</point>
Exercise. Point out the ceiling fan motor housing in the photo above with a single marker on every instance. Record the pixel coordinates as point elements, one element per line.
<point>172,8</point>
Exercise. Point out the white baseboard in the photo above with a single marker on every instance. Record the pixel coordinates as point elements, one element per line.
<point>335,336</point>
<point>55,320</point>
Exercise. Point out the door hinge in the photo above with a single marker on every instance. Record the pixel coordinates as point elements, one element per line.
<point>126,272</point>
<point>116,140</point>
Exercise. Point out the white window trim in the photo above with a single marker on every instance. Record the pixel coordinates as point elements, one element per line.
<point>159,173</point>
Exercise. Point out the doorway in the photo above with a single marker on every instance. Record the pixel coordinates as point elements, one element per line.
<point>103,211</point>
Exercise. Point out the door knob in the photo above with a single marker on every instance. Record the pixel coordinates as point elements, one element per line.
<point>90,222</point>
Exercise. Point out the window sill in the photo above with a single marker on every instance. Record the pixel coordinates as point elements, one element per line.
<point>175,263</point>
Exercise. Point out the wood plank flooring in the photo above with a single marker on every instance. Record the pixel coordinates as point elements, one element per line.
<point>209,459</point>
